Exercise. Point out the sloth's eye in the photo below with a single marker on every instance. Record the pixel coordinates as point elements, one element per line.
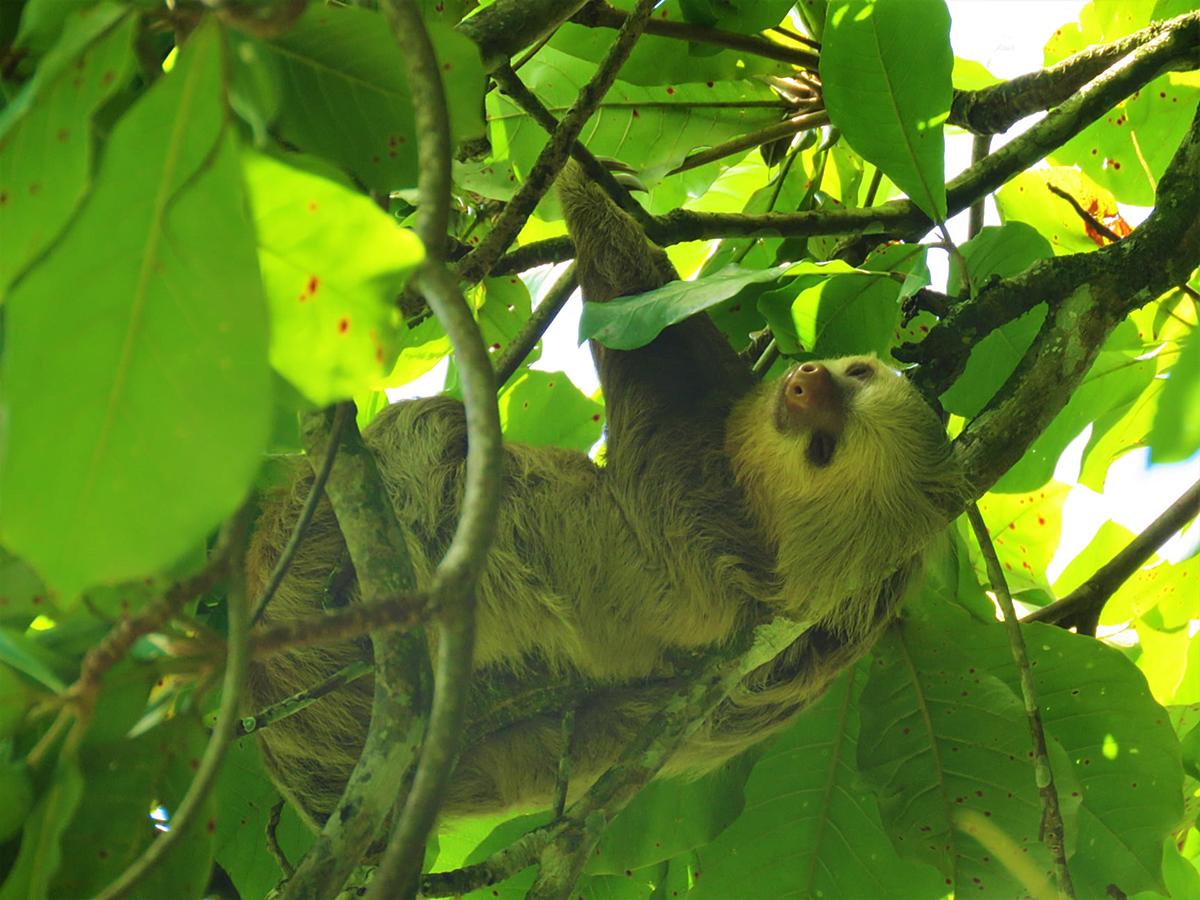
<point>860,370</point>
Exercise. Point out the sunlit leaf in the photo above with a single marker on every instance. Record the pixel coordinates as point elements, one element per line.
<point>885,72</point>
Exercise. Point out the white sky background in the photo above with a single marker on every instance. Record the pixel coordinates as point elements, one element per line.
<point>1007,37</point>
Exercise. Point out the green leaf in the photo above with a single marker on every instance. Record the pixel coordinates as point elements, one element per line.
<point>124,781</point>
<point>47,142</point>
<point>245,797</point>
<point>946,745</point>
<point>1027,198</point>
<point>22,594</point>
<point>41,854</point>
<point>345,97</point>
<point>808,828</point>
<point>544,409</point>
<point>649,128</point>
<point>332,263</point>
<point>1025,529</point>
<point>24,655</point>
<point>662,60</point>
<point>857,313</point>
<point>1128,149</point>
<point>1176,432</point>
<point>146,322</point>
<point>634,321</point>
<point>1123,752</point>
<point>885,74</point>
<point>672,816</point>
<point>1115,381</point>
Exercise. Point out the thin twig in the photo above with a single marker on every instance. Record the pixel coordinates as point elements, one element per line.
<point>1052,824</point>
<point>535,326</point>
<point>790,126</point>
<point>289,706</point>
<point>273,847</point>
<point>400,613</point>
<point>529,102</point>
<point>237,664</point>
<point>981,145</point>
<point>479,261</point>
<point>1087,601</point>
<point>1091,221</point>
<point>315,493</point>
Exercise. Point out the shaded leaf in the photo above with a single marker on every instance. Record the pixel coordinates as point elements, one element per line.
<point>161,360</point>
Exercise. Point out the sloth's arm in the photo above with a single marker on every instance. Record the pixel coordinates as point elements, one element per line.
<point>680,386</point>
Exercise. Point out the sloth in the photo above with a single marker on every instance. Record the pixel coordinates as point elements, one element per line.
<point>719,501</point>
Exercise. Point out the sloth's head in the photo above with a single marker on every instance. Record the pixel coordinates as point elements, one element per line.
<point>840,452</point>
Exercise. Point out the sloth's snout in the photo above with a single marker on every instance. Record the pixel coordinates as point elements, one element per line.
<point>810,388</point>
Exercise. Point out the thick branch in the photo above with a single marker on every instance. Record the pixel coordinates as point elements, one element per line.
<point>456,574</point>
<point>995,109</point>
<point>1087,601</point>
<point>1088,295</point>
<point>380,556</point>
<point>506,26</point>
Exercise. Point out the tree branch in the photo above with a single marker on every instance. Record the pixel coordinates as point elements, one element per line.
<point>456,574</point>
<point>1088,295</point>
<point>1087,601</point>
<point>995,109</point>
<point>504,27</point>
<point>380,555</point>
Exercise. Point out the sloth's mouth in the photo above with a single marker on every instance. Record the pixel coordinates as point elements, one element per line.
<point>820,448</point>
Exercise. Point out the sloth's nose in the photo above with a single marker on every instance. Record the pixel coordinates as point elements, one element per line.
<point>810,388</point>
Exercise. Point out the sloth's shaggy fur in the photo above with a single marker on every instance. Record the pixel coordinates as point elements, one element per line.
<point>705,515</point>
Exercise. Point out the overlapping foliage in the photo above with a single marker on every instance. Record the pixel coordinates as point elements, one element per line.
<point>204,229</point>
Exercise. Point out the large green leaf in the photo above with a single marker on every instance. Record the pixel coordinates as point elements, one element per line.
<point>809,828</point>
<point>332,263</point>
<point>1124,769</point>
<point>649,128</point>
<point>635,321</point>
<point>670,817</point>
<point>345,97</point>
<point>1115,381</point>
<point>1004,252</point>
<point>1176,432</point>
<point>662,60</point>
<point>544,409</point>
<point>124,780</point>
<point>135,373</point>
<point>41,853</point>
<point>245,797</point>
<point>46,138</point>
<point>885,75</point>
<point>946,746</point>
<point>1128,149</point>
<point>858,313</point>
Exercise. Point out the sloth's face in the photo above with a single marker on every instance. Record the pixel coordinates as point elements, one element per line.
<point>815,400</point>
<point>832,426</point>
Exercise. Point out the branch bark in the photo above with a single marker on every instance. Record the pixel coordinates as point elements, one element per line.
<point>380,556</point>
